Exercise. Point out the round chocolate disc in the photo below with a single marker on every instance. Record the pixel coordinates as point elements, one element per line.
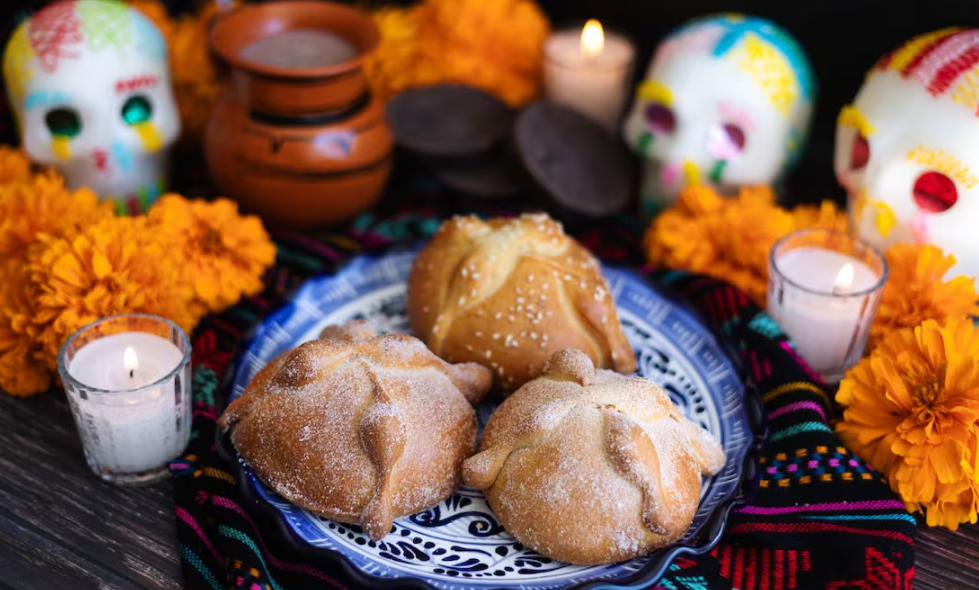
<point>448,120</point>
<point>582,169</point>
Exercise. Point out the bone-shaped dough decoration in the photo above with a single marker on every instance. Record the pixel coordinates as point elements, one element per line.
<point>588,466</point>
<point>359,427</point>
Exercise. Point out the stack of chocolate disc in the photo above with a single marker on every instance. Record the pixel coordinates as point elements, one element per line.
<point>469,138</point>
<point>579,169</point>
<point>462,132</point>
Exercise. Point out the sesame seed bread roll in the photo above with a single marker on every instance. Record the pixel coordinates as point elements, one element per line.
<point>507,293</point>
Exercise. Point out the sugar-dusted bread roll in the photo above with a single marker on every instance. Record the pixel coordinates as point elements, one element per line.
<point>358,427</point>
<point>507,293</point>
<point>590,467</point>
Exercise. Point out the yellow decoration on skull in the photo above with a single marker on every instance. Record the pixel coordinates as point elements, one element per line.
<point>60,146</point>
<point>770,70</point>
<point>149,135</point>
<point>966,90</point>
<point>903,57</point>
<point>691,173</point>
<point>17,63</point>
<point>653,91</point>
<point>945,163</point>
<point>851,116</point>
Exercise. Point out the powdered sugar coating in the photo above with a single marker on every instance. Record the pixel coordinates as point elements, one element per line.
<point>360,428</point>
<point>588,466</point>
<point>665,354</point>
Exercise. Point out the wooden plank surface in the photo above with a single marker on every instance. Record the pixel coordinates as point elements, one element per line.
<point>61,527</point>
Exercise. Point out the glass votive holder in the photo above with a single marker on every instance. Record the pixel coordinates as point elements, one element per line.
<point>128,381</point>
<point>823,290</point>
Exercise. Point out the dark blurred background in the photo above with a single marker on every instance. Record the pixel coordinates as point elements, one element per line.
<point>842,38</point>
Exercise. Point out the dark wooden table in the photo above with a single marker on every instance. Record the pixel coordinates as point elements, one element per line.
<point>61,527</point>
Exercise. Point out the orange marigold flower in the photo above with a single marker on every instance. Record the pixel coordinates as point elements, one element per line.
<point>911,411</point>
<point>39,206</point>
<point>916,290</point>
<point>677,240</point>
<point>43,206</point>
<point>730,238</point>
<point>495,45</point>
<point>727,238</point>
<point>826,216</point>
<point>224,254</point>
<point>396,64</point>
<point>118,265</point>
<point>23,367</point>
<point>15,166</point>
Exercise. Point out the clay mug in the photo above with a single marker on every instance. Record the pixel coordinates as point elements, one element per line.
<point>296,137</point>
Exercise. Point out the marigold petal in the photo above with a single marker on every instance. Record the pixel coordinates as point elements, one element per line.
<point>873,419</point>
<point>101,267</point>
<point>931,343</point>
<point>947,461</point>
<point>945,516</point>
<point>975,459</point>
<point>882,457</point>
<point>917,290</point>
<point>917,482</point>
<point>894,387</point>
<point>69,270</point>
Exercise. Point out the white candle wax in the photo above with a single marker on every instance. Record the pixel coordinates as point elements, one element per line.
<point>129,432</point>
<point>593,80</point>
<point>820,318</point>
<point>101,363</point>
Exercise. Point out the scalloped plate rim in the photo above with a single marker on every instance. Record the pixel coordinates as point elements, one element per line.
<point>714,524</point>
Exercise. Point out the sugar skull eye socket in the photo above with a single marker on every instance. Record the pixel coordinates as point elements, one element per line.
<point>63,122</point>
<point>859,152</point>
<point>660,118</point>
<point>136,110</point>
<point>726,141</point>
<point>934,192</point>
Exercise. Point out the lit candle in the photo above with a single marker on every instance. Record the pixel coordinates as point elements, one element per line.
<point>128,382</point>
<point>844,279</point>
<point>588,70</point>
<point>113,363</point>
<point>823,292</point>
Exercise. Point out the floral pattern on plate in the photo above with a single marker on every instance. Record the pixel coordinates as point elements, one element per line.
<point>459,544</point>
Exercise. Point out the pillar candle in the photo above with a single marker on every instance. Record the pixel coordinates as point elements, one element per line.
<point>588,70</point>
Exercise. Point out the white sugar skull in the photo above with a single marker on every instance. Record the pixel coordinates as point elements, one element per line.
<point>907,149</point>
<point>726,100</point>
<point>90,86</point>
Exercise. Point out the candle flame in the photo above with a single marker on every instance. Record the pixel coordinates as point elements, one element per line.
<point>844,279</point>
<point>130,360</point>
<point>592,39</point>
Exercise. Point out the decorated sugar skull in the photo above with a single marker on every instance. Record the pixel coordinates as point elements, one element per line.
<point>90,86</point>
<point>726,100</point>
<point>907,149</point>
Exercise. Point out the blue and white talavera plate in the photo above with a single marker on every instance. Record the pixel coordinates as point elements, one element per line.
<point>459,544</point>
